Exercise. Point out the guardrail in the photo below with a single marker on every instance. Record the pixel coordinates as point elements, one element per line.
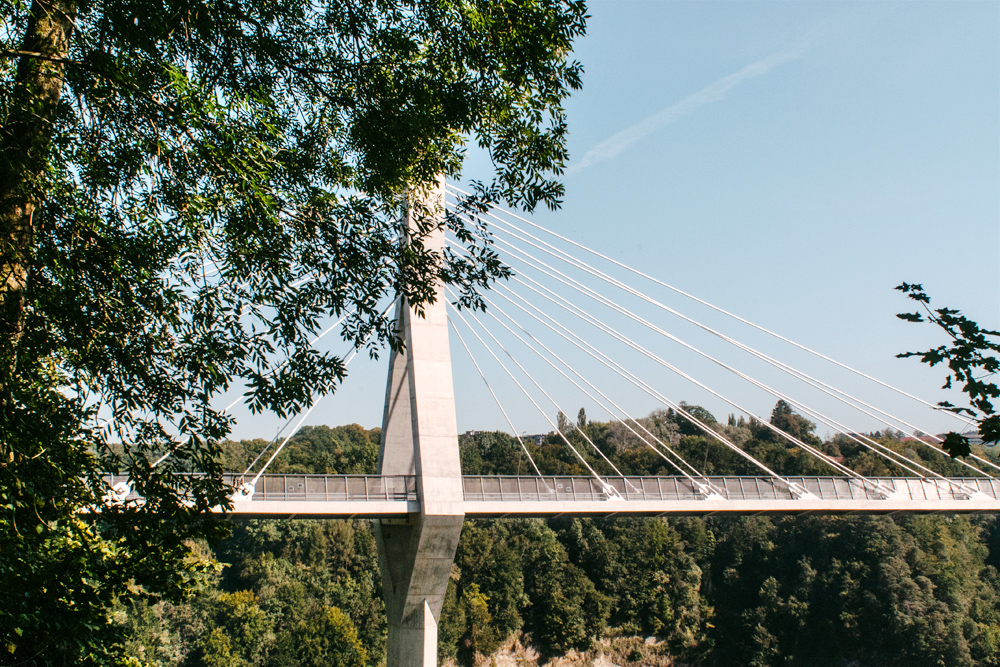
<point>320,488</point>
<point>567,488</point>
<point>332,487</point>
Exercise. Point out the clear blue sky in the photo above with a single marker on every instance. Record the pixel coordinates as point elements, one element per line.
<point>789,161</point>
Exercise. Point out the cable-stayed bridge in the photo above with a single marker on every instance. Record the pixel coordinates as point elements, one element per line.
<point>561,317</point>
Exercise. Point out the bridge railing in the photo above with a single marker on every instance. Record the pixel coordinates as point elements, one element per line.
<point>333,487</point>
<point>566,488</point>
<point>360,488</point>
<point>316,487</point>
<point>511,488</point>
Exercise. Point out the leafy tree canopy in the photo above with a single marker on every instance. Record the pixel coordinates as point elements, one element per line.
<point>973,359</point>
<point>685,425</point>
<point>783,417</point>
<point>189,191</point>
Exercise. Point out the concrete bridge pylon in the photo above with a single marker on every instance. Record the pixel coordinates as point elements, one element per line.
<point>420,437</point>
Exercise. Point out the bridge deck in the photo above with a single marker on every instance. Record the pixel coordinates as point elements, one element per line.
<point>494,496</point>
<point>346,496</point>
<point>532,496</point>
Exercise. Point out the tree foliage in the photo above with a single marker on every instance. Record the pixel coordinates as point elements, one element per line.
<point>784,418</point>
<point>973,359</point>
<point>809,591</point>
<point>189,191</point>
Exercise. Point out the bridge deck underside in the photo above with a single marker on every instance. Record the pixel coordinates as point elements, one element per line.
<point>491,496</point>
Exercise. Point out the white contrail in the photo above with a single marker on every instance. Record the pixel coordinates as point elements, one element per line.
<point>611,147</point>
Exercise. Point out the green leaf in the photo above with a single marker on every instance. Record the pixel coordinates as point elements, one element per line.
<point>956,445</point>
<point>989,429</point>
<point>915,292</point>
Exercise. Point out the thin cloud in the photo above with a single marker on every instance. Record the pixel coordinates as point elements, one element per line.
<point>611,147</point>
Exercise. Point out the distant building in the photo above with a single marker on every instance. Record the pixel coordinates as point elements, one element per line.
<point>538,438</point>
<point>974,438</point>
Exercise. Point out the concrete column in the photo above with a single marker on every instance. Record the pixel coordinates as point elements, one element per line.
<point>420,437</point>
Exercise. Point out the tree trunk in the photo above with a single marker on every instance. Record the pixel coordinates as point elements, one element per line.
<point>25,140</point>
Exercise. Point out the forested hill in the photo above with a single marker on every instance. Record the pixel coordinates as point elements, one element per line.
<point>810,591</point>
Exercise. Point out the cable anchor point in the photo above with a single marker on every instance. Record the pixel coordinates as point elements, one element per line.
<point>118,493</point>
<point>707,491</point>
<point>243,492</point>
<point>799,492</point>
<point>610,492</point>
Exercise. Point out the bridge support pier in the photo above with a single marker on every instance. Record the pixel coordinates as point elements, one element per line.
<point>416,562</point>
<point>420,437</point>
